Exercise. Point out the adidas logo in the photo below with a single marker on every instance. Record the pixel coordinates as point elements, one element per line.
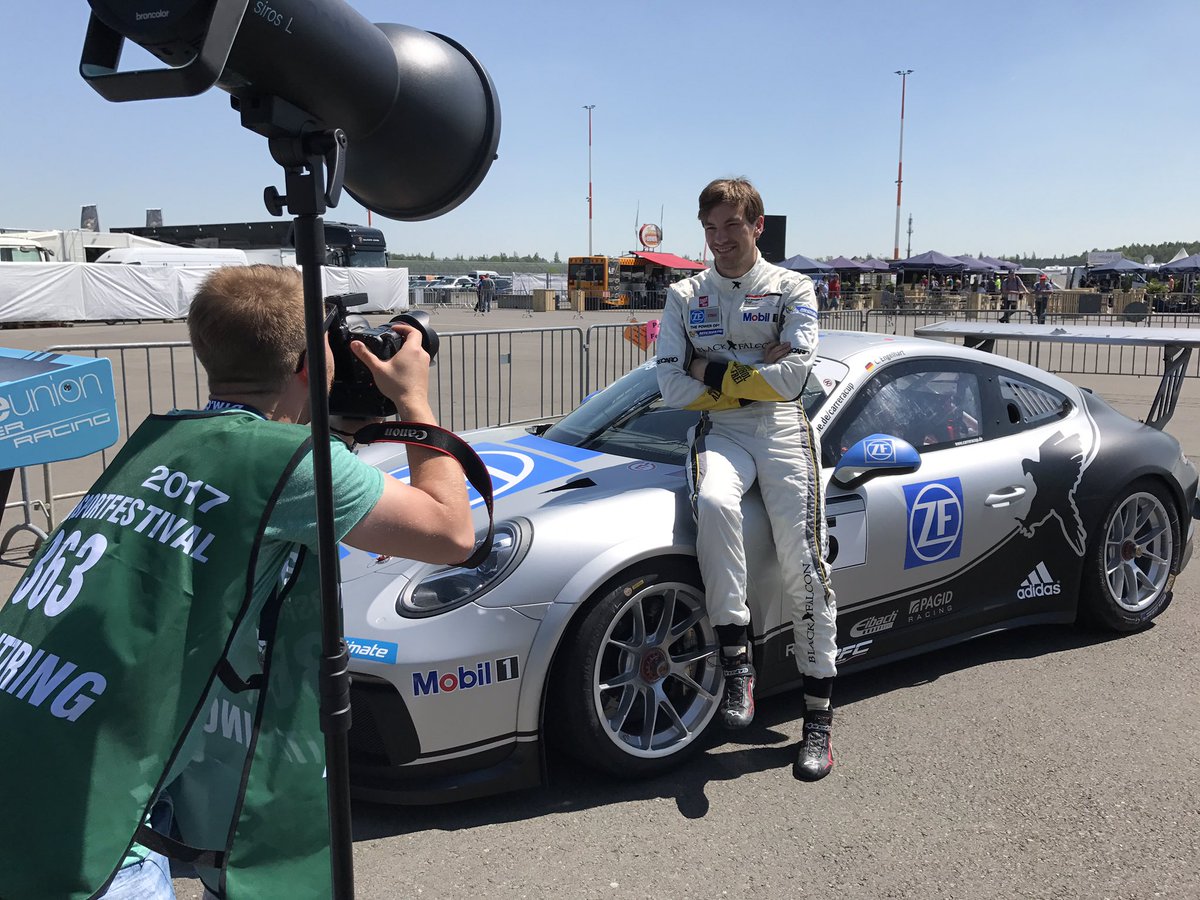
<point>1038,583</point>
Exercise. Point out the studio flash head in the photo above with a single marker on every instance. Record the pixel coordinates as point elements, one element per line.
<point>419,111</point>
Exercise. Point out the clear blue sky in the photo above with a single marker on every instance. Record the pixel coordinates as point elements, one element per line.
<point>1030,127</point>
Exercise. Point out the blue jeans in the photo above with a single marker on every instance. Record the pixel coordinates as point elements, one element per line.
<point>151,878</point>
<point>147,880</point>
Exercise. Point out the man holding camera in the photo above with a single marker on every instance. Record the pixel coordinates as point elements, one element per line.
<point>183,587</point>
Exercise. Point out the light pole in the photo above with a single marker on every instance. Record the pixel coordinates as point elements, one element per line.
<point>589,108</point>
<point>903,73</point>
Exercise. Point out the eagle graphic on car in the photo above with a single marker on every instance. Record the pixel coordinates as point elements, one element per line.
<point>1060,462</point>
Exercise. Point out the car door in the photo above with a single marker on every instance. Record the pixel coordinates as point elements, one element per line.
<point>925,538</point>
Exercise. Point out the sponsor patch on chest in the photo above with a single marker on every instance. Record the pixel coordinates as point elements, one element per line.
<point>758,315</point>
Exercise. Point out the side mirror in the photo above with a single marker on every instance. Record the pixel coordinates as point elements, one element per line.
<point>875,454</point>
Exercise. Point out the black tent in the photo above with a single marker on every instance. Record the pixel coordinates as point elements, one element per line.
<point>1121,266</point>
<point>930,261</point>
<point>800,263</point>
<point>977,266</point>
<point>875,265</point>
<point>1189,265</point>
<point>1002,265</point>
<point>842,264</point>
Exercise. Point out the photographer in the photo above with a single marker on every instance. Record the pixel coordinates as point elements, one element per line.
<point>184,587</point>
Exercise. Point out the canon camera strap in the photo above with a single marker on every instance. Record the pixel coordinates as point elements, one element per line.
<point>452,445</point>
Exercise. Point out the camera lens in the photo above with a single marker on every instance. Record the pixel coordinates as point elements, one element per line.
<point>419,319</point>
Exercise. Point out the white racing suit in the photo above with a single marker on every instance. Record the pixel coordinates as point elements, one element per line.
<point>751,428</point>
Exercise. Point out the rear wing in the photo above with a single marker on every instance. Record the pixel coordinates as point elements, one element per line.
<point>1176,343</point>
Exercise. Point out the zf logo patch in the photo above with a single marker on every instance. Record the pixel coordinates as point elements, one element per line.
<point>881,451</point>
<point>935,522</point>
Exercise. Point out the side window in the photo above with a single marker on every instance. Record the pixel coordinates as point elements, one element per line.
<point>930,408</point>
<point>1027,404</point>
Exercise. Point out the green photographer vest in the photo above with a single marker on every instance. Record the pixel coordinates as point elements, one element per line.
<point>135,657</point>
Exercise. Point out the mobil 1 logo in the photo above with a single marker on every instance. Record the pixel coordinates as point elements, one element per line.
<point>481,673</point>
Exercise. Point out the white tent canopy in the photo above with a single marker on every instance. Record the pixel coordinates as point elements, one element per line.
<point>99,292</point>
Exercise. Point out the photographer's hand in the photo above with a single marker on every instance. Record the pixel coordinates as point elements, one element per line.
<point>403,379</point>
<point>429,518</point>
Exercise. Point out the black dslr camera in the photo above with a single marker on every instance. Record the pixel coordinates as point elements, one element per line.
<point>354,393</point>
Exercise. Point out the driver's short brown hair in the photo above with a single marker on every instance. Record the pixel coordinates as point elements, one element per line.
<point>246,324</point>
<point>738,192</point>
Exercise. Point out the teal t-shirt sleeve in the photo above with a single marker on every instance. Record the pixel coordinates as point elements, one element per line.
<point>357,487</point>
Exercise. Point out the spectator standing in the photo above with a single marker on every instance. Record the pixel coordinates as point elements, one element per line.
<point>1041,298</point>
<point>822,293</point>
<point>486,292</point>
<point>1012,289</point>
<point>835,291</point>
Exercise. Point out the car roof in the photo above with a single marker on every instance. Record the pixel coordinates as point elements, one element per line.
<point>855,349</point>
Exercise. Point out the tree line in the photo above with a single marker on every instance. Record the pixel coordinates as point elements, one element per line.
<point>1137,252</point>
<point>460,258</point>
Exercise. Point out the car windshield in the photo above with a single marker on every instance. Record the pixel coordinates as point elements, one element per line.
<point>629,418</point>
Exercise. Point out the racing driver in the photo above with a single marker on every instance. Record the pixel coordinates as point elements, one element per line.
<point>736,344</point>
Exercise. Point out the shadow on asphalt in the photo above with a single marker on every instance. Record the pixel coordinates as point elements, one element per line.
<point>571,786</point>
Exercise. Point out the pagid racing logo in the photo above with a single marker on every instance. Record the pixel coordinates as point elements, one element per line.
<point>931,606</point>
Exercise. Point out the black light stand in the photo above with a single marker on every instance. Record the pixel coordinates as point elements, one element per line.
<point>314,164</point>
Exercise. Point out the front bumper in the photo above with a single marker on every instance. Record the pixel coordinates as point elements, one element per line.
<point>435,701</point>
<point>386,764</point>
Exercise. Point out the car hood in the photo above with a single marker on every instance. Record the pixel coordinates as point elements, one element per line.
<point>531,476</point>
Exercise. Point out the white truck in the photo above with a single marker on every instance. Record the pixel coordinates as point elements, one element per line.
<point>196,257</point>
<point>79,245</point>
<point>22,249</point>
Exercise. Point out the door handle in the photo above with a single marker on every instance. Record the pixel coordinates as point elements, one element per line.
<point>1004,497</point>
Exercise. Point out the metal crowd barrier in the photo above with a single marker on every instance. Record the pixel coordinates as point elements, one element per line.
<point>516,376</point>
<point>481,379</point>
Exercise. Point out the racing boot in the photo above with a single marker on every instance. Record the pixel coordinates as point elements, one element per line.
<point>815,759</point>
<point>737,705</point>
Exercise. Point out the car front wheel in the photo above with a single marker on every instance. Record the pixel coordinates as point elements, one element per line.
<point>639,680</point>
<point>1132,563</point>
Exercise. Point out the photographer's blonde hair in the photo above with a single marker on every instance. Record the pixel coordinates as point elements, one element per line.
<point>246,324</point>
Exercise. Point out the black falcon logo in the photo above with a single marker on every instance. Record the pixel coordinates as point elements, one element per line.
<point>737,284</point>
<point>1060,465</point>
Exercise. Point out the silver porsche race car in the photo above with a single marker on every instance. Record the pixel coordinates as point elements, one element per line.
<point>965,493</point>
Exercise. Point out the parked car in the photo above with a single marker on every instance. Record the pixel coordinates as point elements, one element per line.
<point>966,493</point>
<point>451,283</point>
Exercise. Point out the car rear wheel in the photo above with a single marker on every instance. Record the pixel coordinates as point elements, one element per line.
<point>639,680</point>
<point>1132,563</point>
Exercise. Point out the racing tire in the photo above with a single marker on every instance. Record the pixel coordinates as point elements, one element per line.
<point>1130,569</point>
<point>639,679</point>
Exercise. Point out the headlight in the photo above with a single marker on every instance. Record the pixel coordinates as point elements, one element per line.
<point>436,589</point>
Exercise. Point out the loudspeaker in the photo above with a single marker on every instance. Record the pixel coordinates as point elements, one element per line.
<point>771,242</point>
